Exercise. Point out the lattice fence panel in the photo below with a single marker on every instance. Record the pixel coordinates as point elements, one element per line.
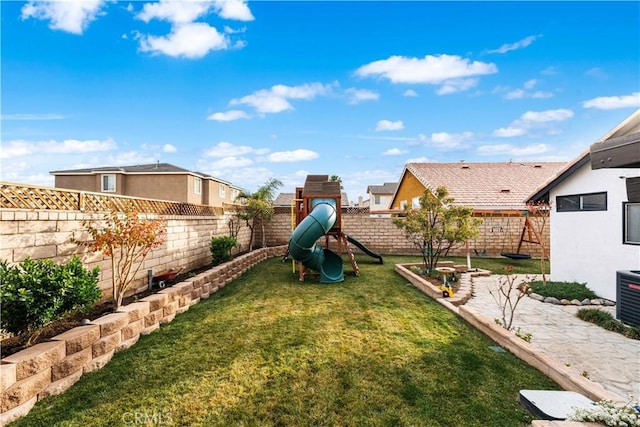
<point>24,197</point>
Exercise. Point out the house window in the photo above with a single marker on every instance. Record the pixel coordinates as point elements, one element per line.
<point>415,202</point>
<point>234,194</point>
<point>403,204</point>
<point>223,191</point>
<point>582,202</point>
<point>376,200</point>
<point>109,183</point>
<point>631,223</point>
<point>197,185</point>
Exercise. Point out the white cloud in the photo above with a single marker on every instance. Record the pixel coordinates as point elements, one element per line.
<point>456,85</point>
<point>70,16</point>
<point>19,148</point>
<point>168,148</point>
<point>226,149</point>
<point>231,162</point>
<point>292,156</point>
<point>509,132</point>
<point>233,9</point>
<point>276,99</point>
<point>512,150</point>
<point>177,12</point>
<point>527,91</point>
<point>547,116</point>
<point>447,141</point>
<point>533,119</point>
<point>410,92</point>
<point>228,116</point>
<point>419,160</point>
<point>597,72</point>
<point>515,46</point>
<point>430,69</point>
<point>192,40</point>
<point>355,96</point>
<point>32,117</point>
<point>530,84</point>
<point>389,125</point>
<point>515,94</point>
<point>126,158</point>
<point>394,152</point>
<point>613,102</point>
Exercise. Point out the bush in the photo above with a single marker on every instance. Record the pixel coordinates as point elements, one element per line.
<point>221,249</point>
<point>563,290</point>
<point>37,292</point>
<point>605,320</point>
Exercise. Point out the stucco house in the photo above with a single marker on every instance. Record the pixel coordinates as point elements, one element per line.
<point>162,181</point>
<point>497,192</point>
<point>380,198</point>
<point>595,211</point>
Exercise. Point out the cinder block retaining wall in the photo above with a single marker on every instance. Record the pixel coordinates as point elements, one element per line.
<point>497,234</point>
<point>52,367</point>
<point>44,234</point>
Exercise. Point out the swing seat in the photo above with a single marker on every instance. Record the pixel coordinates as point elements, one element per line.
<point>515,256</point>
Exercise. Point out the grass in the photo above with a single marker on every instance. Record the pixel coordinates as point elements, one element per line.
<point>267,350</point>
<point>607,321</point>
<point>499,265</point>
<point>563,290</point>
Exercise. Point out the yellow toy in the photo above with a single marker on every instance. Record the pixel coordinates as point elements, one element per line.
<point>447,290</point>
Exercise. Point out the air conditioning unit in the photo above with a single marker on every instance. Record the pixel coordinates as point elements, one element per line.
<point>628,297</point>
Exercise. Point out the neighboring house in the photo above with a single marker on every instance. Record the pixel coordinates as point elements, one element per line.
<point>482,186</point>
<point>380,198</point>
<point>161,181</point>
<point>497,192</point>
<point>595,211</point>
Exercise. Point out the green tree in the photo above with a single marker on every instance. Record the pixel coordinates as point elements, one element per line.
<point>437,225</point>
<point>336,178</point>
<point>258,207</point>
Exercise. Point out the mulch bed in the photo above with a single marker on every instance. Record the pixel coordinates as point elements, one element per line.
<point>14,344</point>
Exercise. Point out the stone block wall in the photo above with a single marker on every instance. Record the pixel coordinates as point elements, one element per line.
<point>50,368</point>
<point>497,234</point>
<point>45,234</point>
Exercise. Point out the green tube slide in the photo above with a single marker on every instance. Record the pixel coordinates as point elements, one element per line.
<point>302,244</point>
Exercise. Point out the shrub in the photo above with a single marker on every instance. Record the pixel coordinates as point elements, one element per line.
<point>36,292</point>
<point>606,320</point>
<point>563,290</point>
<point>127,239</point>
<point>221,249</point>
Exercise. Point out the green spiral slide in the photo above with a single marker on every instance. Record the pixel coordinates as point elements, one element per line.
<point>302,244</point>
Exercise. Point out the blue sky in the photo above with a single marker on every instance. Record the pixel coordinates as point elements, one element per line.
<point>252,91</point>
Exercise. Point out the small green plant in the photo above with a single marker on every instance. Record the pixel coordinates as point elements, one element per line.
<point>609,413</point>
<point>34,293</point>
<point>606,320</point>
<point>563,290</point>
<point>526,336</point>
<point>221,249</point>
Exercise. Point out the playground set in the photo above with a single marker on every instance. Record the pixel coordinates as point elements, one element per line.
<point>315,212</point>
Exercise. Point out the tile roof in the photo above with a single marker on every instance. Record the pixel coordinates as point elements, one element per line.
<point>163,168</point>
<point>386,188</point>
<point>486,185</point>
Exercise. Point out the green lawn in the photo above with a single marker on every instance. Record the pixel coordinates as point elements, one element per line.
<point>268,350</point>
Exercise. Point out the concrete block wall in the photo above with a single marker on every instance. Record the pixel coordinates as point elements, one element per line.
<point>497,234</point>
<point>50,368</point>
<point>53,235</point>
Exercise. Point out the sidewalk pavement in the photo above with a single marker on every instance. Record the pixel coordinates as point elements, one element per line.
<point>605,357</point>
